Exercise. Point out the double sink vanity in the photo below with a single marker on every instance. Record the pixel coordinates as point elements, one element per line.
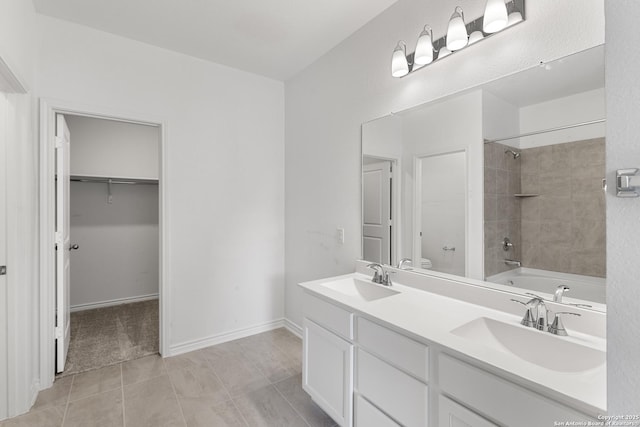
<point>437,350</point>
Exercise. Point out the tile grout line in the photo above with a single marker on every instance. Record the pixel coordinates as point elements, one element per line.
<point>292,407</point>
<point>231,398</point>
<point>273,384</point>
<point>66,407</point>
<point>124,418</point>
<point>175,394</point>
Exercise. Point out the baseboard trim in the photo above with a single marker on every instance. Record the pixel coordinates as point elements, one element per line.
<point>188,346</point>
<point>110,303</point>
<point>294,328</point>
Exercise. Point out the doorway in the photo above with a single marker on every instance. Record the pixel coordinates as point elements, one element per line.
<point>377,210</point>
<point>113,302</point>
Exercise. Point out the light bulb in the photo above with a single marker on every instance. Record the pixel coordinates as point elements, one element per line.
<point>399,65</point>
<point>457,36</point>
<point>514,18</point>
<point>443,52</point>
<point>495,16</point>
<point>475,36</point>
<point>424,47</point>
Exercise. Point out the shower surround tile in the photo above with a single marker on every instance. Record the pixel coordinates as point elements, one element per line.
<point>502,209</point>
<point>563,229</point>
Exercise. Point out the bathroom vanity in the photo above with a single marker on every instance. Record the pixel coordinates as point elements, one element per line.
<point>435,351</point>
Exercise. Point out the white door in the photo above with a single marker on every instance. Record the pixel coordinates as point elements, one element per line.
<point>376,212</point>
<point>3,260</point>
<point>63,246</point>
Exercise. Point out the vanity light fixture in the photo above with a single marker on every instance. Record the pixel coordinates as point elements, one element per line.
<point>475,36</point>
<point>399,63</point>
<point>457,36</point>
<point>495,16</point>
<point>498,16</point>
<point>424,47</point>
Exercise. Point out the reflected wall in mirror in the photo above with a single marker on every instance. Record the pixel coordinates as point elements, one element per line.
<point>531,215</point>
<point>441,198</point>
<point>428,147</point>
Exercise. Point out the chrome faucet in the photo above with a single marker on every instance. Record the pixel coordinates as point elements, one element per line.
<point>557,328</point>
<point>378,276</point>
<point>542,320</point>
<point>404,261</point>
<point>560,290</point>
<point>536,315</point>
<point>381,276</point>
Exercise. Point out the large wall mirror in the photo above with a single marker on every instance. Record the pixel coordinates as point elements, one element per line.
<point>503,183</point>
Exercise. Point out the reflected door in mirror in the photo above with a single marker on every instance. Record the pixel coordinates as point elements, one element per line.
<point>376,211</point>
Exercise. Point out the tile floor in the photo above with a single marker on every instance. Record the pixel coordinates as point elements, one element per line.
<point>251,382</point>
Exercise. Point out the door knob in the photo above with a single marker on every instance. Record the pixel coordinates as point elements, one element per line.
<point>74,247</point>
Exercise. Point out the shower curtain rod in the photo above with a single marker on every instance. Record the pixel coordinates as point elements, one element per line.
<point>486,141</point>
<point>105,180</point>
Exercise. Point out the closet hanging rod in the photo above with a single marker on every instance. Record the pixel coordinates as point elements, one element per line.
<point>538,132</point>
<point>104,180</point>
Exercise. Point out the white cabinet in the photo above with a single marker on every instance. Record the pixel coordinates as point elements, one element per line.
<point>394,348</point>
<point>401,396</point>
<point>503,401</point>
<point>327,373</point>
<point>453,415</point>
<point>368,415</point>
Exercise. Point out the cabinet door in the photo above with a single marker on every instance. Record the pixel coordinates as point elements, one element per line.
<point>453,415</point>
<point>327,372</point>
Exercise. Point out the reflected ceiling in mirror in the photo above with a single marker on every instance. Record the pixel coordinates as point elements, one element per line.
<point>533,169</point>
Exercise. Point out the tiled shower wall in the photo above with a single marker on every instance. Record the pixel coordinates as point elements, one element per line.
<point>501,208</point>
<point>564,228</point>
<point>561,227</point>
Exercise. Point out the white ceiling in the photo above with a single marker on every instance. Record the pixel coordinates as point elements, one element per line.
<point>275,38</point>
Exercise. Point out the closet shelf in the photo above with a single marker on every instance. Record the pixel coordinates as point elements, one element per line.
<point>526,195</point>
<point>112,180</point>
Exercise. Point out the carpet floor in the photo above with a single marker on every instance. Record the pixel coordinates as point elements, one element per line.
<point>111,335</point>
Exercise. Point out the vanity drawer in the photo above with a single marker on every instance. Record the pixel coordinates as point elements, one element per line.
<point>403,352</point>
<point>368,415</point>
<point>401,396</point>
<point>453,415</point>
<point>328,315</point>
<point>499,399</point>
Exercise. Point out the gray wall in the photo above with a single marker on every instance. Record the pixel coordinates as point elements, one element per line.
<point>119,252</point>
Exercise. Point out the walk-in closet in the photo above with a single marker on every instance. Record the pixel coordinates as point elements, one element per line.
<point>114,242</point>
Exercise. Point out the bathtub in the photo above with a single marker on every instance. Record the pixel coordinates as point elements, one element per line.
<point>581,287</point>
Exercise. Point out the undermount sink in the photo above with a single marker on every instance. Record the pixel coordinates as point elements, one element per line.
<point>360,289</point>
<point>531,345</point>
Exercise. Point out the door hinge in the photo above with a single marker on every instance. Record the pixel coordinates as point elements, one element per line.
<point>59,142</point>
<point>58,238</point>
<point>58,333</point>
<point>3,270</point>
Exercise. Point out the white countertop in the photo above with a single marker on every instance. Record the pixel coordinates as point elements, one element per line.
<point>429,317</point>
